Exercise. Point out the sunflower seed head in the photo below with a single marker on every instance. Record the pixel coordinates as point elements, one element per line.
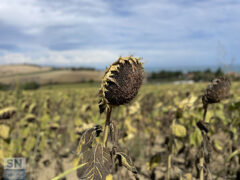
<point>216,91</point>
<point>121,82</point>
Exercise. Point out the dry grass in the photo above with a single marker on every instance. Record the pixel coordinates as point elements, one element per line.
<point>10,70</point>
<point>45,75</point>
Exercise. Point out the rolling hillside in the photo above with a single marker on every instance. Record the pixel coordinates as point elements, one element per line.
<point>11,74</point>
<point>13,70</point>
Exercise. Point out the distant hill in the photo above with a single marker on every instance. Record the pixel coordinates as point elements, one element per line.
<point>12,70</point>
<point>11,74</point>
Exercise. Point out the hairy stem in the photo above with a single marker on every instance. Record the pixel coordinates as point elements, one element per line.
<point>107,124</point>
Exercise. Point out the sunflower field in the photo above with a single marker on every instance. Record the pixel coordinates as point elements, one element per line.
<point>158,130</point>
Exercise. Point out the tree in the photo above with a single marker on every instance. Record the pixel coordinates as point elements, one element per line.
<point>219,72</point>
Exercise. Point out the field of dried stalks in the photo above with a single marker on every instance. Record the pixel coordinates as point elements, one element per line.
<point>45,126</point>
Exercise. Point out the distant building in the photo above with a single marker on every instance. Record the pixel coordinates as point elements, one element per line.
<point>234,75</point>
<point>190,75</point>
<point>183,82</point>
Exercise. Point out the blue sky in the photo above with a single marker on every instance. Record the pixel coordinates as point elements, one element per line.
<point>165,33</point>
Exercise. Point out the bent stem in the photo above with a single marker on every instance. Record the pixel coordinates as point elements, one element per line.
<point>106,127</point>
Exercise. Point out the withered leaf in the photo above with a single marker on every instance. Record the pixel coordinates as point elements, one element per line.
<point>95,158</point>
<point>236,152</point>
<point>155,160</point>
<point>88,138</point>
<point>126,161</point>
<point>203,126</point>
<point>102,106</point>
<point>4,131</point>
<point>7,113</point>
<point>179,130</point>
<point>97,163</point>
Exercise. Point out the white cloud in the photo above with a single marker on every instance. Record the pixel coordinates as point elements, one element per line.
<point>11,58</point>
<point>87,32</point>
<point>67,58</point>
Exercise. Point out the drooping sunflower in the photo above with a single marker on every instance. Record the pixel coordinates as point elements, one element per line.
<point>216,91</point>
<point>121,82</point>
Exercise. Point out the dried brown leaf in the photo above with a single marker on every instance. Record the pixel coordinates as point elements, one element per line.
<point>97,163</point>
<point>95,158</point>
<point>126,161</point>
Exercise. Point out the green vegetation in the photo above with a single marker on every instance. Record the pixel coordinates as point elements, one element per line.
<point>75,68</point>
<point>24,86</point>
<point>4,86</point>
<point>29,86</point>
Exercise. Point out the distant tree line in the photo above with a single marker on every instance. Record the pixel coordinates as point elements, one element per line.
<point>75,68</point>
<point>206,75</point>
<point>167,75</point>
<point>197,76</point>
<point>4,86</point>
<point>23,86</point>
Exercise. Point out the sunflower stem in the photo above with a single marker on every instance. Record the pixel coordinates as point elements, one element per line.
<point>201,163</point>
<point>169,166</point>
<point>68,172</point>
<point>107,125</point>
<point>205,107</point>
<point>201,168</point>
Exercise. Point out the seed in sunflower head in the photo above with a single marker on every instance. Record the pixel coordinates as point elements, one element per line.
<point>121,82</point>
<point>218,90</point>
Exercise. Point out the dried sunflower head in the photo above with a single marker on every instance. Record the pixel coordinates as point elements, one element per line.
<point>218,90</point>
<point>121,82</point>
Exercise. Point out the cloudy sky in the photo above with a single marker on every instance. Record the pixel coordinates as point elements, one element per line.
<point>94,33</point>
